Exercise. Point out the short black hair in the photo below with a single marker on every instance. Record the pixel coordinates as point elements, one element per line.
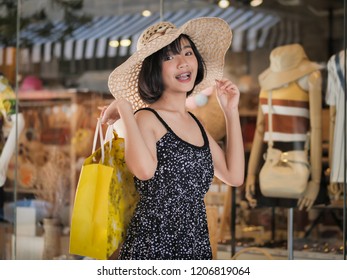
<point>150,83</point>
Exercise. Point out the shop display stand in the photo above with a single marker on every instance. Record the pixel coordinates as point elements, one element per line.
<point>42,99</point>
<point>337,221</point>
<point>273,223</point>
<point>290,243</point>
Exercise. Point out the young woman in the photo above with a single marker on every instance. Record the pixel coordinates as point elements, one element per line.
<point>173,158</point>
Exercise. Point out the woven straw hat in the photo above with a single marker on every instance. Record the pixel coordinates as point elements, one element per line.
<point>212,37</point>
<point>287,63</point>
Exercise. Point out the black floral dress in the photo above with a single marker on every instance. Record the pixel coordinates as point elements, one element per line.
<point>170,219</point>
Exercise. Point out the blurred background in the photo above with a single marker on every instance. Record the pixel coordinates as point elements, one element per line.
<point>55,58</point>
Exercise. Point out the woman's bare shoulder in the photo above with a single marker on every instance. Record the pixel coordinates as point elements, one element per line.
<point>148,121</point>
<point>145,116</point>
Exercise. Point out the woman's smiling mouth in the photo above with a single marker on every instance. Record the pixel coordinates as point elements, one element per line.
<point>183,76</point>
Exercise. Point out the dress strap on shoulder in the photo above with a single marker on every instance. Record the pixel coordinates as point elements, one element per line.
<point>201,127</point>
<point>157,115</point>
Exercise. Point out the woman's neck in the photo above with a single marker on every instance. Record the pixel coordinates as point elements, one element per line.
<point>171,103</point>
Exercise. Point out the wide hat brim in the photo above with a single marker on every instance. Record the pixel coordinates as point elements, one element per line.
<point>287,64</point>
<point>212,37</point>
<point>270,80</point>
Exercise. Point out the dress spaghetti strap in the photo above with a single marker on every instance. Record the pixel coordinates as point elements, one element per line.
<point>157,115</point>
<point>203,132</point>
<point>204,135</point>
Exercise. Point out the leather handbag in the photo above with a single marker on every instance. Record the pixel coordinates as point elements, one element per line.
<point>284,174</point>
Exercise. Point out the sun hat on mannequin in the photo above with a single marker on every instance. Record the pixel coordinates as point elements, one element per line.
<point>212,37</point>
<point>296,86</point>
<point>287,64</point>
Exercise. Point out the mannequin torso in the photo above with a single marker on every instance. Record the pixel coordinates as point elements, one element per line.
<point>307,90</point>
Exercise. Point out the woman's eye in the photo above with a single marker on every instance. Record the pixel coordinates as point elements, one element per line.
<point>168,57</point>
<point>189,53</point>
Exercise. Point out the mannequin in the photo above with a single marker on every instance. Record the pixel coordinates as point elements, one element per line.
<point>295,83</point>
<point>9,122</point>
<point>335,98</point>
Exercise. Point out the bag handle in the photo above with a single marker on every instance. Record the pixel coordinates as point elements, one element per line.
<point>98,130</point>
<point>109,135</point>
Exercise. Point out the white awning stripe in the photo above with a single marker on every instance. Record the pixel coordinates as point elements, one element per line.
<point>103,24</point>
<point>266,31</point>
<point>251,30</point>
<point>286,31</point>
<point>261,27</point>
<point>126,30</point>
<point>100,39</point>
<point>248,22</point>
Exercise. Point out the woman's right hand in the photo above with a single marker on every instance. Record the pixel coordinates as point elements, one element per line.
<point>110,114</point>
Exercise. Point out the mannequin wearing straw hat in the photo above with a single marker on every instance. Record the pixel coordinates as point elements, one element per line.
<point>335,98</point>
<point>9,120</point>
<point>295,83</point>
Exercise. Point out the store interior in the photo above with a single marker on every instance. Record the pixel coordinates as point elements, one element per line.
<point>55,59</point>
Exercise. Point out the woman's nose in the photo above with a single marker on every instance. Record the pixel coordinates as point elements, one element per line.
<point>182,63</point>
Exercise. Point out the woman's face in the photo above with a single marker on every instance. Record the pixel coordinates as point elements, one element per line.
<point>179,70</point>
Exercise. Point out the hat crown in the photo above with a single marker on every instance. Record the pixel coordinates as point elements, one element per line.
<point>153,32</point>
<point>286,58</point>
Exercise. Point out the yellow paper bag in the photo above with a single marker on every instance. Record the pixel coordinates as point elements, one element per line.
<point>88,233</point>
<point>122,196</point>
<point>104,204</point>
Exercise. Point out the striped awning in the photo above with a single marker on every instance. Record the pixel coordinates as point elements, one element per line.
<point>252,29</point>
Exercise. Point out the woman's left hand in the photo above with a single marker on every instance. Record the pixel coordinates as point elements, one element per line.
<point>228,94</point>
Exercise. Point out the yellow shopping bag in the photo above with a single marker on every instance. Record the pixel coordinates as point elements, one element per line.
<point>104,203</point>
<point>122,196</point>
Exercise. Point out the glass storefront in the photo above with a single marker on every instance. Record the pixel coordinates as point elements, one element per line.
<point>55,58</point>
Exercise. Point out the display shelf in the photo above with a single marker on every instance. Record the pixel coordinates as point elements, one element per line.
<point>22,190</point>
<point>53,117</point>
<point>46,95</point>
<point>60,135</point>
